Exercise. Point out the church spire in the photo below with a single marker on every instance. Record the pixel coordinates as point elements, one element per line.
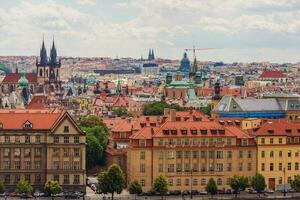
<point>43,54</point>
<point>149,55</point>
<point>53,55</point>
<point>152,55</point>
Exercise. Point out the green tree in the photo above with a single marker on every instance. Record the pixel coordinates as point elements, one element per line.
<point>135,188</point>
<point>52,188</point>
<point>206,110</point>
<point>211,187</point>
<point>157,108</point>
<point>111,181</point>
<point>23,188</point>
<point>160,185</point>
<point>258,183</point>
<point>121,111</point>
<point>238,183</point>
<point>2,187</point>
<point>94,151</point>
<point>90,121</point>
<point>296,183</point>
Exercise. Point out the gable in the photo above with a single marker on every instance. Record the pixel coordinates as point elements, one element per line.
<point>66,126</point>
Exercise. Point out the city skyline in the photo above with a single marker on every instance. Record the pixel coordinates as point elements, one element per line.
<point>262,30</point>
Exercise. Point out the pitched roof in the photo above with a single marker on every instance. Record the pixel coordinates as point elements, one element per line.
<point>279,127</point>
<point>13,78</point>
<point>272,74</point>
<point>40,119</point>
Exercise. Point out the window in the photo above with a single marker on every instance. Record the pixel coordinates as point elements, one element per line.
<point>249,166</point>
<point>6,165</point>
<point>219,181</point>
<point>66,165</point>
<point>77,152</point>
<point>187,154</point>
<point>280,140</point>
<point>229,154</point>
<point>289,153</point>
<point>249,154</point>
<point>211,154</point>
<point>160,167</point>
<point>27,139</point>
<point>280,180</point>
<point>37,178</point>
<point>229,167</point>
<point>76,139</point>
<point>7,179</point>
<point>142,182</point>
<point>219,154</point>
<point>56,139</point>
<point>55,164</point>
<point>195,181</point>
<point>7,139</point>
<point>17,165</point>
<point>37,139</point>
<point>240,154</point>
<point>6,152</point>
<point>37,164</point>
<point>27,152</point>
<point>296,166</point>
<point>66,139</point>
<point>27,125</point>
<point>160,155</point>
<point>160,142</point>
<point>203,181</point>
<point>17,139</point>
<point>66,179</point>
<point>219,167</point>
<point>178,168</point>
<point>186,182</point>
<point>56,177</point>
<point>17,152</point>
<point>280,153</point>
<point>271,167</point>
<point>76,179</point>
<point>280,166</point>
<point>262,154</point>
<point>262,166</point>
<point>178,141</point>
<point>289,166</point>
<point>38,151</point>
<point>297,153</point>
<point>27,178</point>
<point>142,143</point>
<point>203,154</point>
<point>240,166</point>
<point>178,154</point>
<point>262,140</point>
<point>229,141</point>
<point>178,182</point>
<point>186,141</point>
<point>55,151</point>
<point>171,155</point>
<point>271,154</point>
<point>170,167</point>
<point>27,164</point>
<point>66,129</point>
<point>66,152</point>
<point>170,182</point>
<point>17,178</point>
<point>271,140</point>
<point>195,154</point>
<point>142,168</point>
<point>76,165</point>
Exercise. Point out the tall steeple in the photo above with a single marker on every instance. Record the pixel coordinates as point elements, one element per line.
<point>43,54</point>
<point>194,68</point>
<point>53,55</point>
<point>149,54</point>
<point>152,55</point>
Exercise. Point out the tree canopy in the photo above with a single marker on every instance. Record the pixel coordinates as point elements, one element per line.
<point>135,188</point>
<point>206,110</point>
<point>211,186</point>
<point>111,181</point>
<point>238,183</point>
<point>52,188</point>
<point>160,185</point>
<point>157,108</point>
<point>2,187</point>
<point>23,187</point>
<point>296,183</point>
<point>258,182</point>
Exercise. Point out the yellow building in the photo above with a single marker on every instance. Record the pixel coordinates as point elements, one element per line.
<point>41,145</point>
<point>189,153</point>
<point>251,123</point>
<point>278,152</point>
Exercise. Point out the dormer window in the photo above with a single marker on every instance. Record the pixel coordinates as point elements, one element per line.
<point>271,131</point>
<point>193,131</point>
<point>203,131</point>
<point>298,130</point>
<point>183,131</point>
<point>174,131</point>
<point>213,131</point>
<point>222,131</point>
<point>27,125</point>
<point>166,131</point>
<point>288,130</point>
<point>66,129</point>
<point>234,106</point>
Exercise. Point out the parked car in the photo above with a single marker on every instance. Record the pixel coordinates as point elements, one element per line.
<point>203,192</point>
<point>221,191</point>
<point>229,191</point>
<point>4,194</point>
<point>175,192</point>
<point>251,191</point>
<point>59,195</point>
<point>195,192</point>
<point>268,191</point>
<point>38,194</point>
<point>185,192</point>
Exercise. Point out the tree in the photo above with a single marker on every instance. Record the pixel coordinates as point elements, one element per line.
<point>211,187</point>
<point>296,183</point>
<point>157,108</point>
<point>2,187</point>
<point>111,181</point>
<point>258,183</point>
<point>206,110</point>
<point>135,188</point>
<point>23,188</point>
<point>238,183</point>
<point>160,185</point>
<point>121,111</point>
<point>94,151</point>
<point>52,188</point>
<point>90,121</point>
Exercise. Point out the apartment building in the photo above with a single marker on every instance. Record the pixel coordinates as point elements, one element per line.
<point>41,145</point>
<point>189,153</point>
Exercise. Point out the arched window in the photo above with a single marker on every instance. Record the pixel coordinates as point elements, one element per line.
<point>41,72</point>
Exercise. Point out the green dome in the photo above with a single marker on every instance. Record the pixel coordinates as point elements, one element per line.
<point>23,82</point>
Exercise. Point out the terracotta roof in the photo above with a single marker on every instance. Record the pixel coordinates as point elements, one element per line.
<point>144,133</point>
<point>40,119</point>
<point>272,74</point>
<point>38,102</point>
<point>279,127</point>
<point>13,78</point>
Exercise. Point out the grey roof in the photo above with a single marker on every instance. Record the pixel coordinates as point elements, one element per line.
<point>259,104</point>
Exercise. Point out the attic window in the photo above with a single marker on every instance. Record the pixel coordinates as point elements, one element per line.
<point>193,131</point>
<point>237,122</point>
<point>183,131</point>
<point>166,131</point>
<point>27,125</point>
<point>288,130</point>
<point>222,131</point>
<point>221,122</point>
<point>270,131</point>
<point>66,129</point>
<point>234,106</point>
<point>174,131</point>
<point>213,131</point>
<point>203,131</point>
<point>298,130</point>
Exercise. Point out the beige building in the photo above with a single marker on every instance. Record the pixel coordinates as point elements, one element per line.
<point>41,145</point>
<point>190,152</point>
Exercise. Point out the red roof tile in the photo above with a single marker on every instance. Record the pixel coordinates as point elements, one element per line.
<point>279,127</point>
<point>272,74</point>
<point>13,78</point>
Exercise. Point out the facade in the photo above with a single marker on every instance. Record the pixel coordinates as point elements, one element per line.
<point>278,152</point>
<point>41,145</point>
<point>190,152</point>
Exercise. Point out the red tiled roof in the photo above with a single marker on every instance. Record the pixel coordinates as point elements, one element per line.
<point>145,133</point>
<point>40,119</point>
<point>279,127</point>
<point>38,102</point>
<point>272,74</point>
<point>13,78</point>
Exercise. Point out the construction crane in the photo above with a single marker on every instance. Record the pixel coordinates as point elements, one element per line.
<point>199,49</point>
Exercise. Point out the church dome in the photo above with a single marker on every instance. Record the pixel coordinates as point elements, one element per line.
<point>23,82</point>
<point>185,63</point>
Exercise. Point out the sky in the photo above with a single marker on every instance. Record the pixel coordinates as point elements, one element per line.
<point>242,30</point>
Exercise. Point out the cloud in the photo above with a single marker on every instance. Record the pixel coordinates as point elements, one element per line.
<point>86,2</point>
<point>121,5</point>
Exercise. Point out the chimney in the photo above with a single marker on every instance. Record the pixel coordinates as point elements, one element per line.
<point>172,115</point>
<point>166,111</point>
